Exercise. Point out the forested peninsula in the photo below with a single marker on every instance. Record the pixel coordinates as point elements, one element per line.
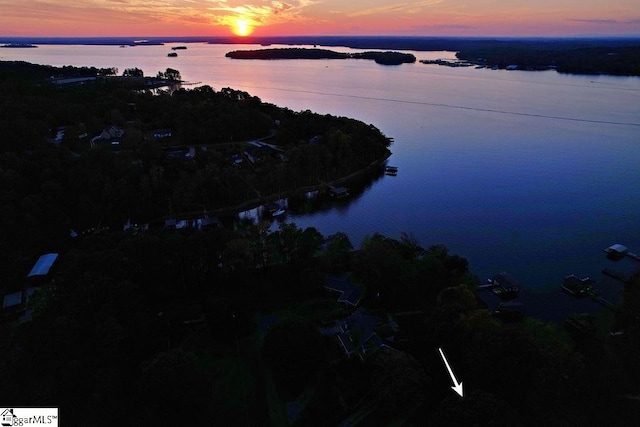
<point>383,58</point>
<point>117,151</point>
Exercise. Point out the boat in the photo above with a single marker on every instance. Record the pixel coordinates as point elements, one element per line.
<point>179,48</point>
<point>272,207</point>
<point>339,192</point>
<point>391,170</point>
<point>278,213</point>
<point>172,54</point>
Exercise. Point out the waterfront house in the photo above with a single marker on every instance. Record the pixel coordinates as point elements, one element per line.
<point>361,334</point>
<point>109,136</point>
<point>160,133</point>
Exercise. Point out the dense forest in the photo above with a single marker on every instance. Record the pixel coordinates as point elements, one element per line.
<point>161,321</point>
<point>250,325</point>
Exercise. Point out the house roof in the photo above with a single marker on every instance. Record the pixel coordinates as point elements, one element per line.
<point>13,299</point>
<point>161,131</point>
<point>339,190</point>
<point>350,292</point>
<point>617,248</point>
<point>43,265</point>
<point>358,333</point>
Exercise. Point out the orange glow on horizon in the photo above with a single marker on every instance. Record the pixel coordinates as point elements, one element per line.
<point>489,18</point>
<point>242,27</point>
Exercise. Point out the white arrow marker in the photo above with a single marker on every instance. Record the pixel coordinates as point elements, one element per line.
<point>457,387</point>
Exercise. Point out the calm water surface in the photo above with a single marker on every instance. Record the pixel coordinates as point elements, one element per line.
<point>528,172</point>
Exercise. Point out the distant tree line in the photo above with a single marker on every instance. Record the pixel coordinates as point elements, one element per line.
<point>612,59</point>
<point>385,58</point>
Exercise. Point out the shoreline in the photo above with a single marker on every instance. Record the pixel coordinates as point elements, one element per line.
<point>570,55</point>
<point>258,201</point>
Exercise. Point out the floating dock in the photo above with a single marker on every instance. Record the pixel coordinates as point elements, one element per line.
<point>338,191</point>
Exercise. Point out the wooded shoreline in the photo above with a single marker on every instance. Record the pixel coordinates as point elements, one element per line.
<point>578,55</point>
<point>253,203</point>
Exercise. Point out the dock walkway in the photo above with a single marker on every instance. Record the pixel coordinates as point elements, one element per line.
<point>633,256</point>
<point>616,275</point>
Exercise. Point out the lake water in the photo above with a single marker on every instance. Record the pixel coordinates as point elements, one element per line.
<point>533,173</point>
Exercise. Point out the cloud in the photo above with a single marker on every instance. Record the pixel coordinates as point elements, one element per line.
<point>407,7</point>
<point>452,26</point>
<point>225,12</point>
<point>606,21</point>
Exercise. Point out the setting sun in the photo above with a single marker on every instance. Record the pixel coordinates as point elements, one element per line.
<point>242,27</point>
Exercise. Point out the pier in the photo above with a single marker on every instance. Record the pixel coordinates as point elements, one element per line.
<point>616,275</point>
<point>633,256</point>
<point>605,303</point>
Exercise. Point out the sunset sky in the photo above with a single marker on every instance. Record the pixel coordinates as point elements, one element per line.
<point>319,17</point>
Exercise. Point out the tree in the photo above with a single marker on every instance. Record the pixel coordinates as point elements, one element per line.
<point>172,74</point>
<point>237,254</point>
<point>397,379</point>
<point>173,382</point>
<point>478,408</point>
<point>337,254</point>
<point>133,72</point>
<point>294,350</point>
<point>259,236</point>
<point>112,71</point>
<point>310,242</point>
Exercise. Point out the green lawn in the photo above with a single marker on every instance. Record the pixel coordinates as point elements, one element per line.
<point>309,310</point>
<point>603,320</point>
<point>235,380</point>
<point>277,410</point>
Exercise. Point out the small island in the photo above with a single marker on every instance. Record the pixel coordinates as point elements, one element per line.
<point>383,58</point>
